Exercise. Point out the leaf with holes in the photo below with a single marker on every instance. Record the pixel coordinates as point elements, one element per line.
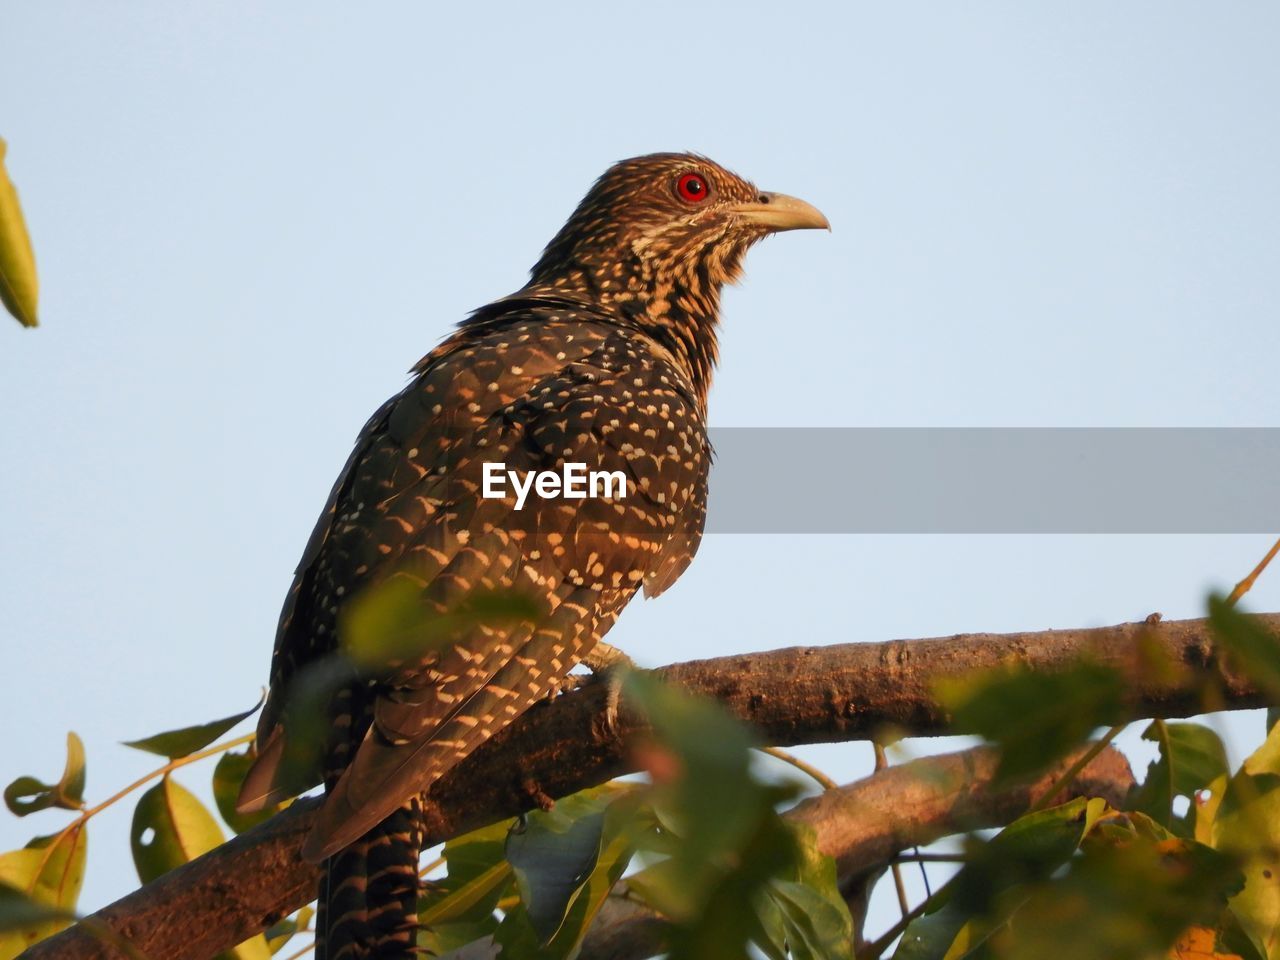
<point>49,872</point>
<point>1191,758</point>
<point>1122,898</point>
<point>27,794</point>
<point>1247,824</point>
<point>176,744</point>
<point>170,827</point>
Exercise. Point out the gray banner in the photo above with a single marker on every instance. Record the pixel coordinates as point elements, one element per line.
<point>1034,480</point>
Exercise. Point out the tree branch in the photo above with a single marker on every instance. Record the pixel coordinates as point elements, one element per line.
<point>862,826</point>
<point>793,696</point>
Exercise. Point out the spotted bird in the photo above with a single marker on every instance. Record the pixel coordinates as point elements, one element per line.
<point>603,358</point>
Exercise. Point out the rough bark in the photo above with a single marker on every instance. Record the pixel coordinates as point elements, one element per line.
<point>793,696</point>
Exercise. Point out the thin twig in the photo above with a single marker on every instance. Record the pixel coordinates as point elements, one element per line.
<point>1246,584</point>
<point>438,861</point>
<point>1073,771</point>
<point>303,952</point>
<point>807,768</point>
<point>904,905</point>
<point>878,946</point>
<point>917,857</point>
<point>85,815</point>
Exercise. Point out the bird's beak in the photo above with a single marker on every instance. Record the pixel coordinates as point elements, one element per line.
<point>777,211</point>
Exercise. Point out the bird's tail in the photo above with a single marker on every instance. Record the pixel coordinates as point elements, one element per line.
<point>368,904</point>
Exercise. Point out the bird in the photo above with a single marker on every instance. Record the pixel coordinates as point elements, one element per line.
<point>604,359</point>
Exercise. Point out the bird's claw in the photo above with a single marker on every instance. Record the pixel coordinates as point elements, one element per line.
<point>609,664</point>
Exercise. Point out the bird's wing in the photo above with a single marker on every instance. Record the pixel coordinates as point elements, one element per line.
<point>398,513</point>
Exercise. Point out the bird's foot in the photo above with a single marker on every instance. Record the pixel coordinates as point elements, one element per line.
<point>610,665</point>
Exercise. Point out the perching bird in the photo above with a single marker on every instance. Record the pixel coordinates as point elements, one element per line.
<point>604,358</point>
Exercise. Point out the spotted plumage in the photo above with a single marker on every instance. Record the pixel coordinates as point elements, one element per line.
<point>604,358</point>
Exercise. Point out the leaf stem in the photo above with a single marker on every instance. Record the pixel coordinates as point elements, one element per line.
<point>79,822</point>
<point>904,905</point>
<point>1073,771</point>
<point>438,861</point>
<point>303,952</point>
<point>807,768</point>
<point>1246,584</point>
<point>167,768</point>
<point>905,857</point>
<point>878,946</point>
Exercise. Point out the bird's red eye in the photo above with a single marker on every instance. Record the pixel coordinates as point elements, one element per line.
<point>692,188</point>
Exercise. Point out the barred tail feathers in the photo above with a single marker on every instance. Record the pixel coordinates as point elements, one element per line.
<point>368,906</point>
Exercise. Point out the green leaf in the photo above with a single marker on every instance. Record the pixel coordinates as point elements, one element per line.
<point>733,872</point>
<point>459,909</point>
<point>712,802</point>
<point>566,861</point>
<point>228,775</point>
<point>936,934</point>
<point>176,744</point>
<point>27,794</point>
<point>48,873</point>
<point>817,928</point>
<point>1247,824</point>
<point>1036,718</point>
<point>170,827</point>
<point>1191,758</point>
<point>19,288</point>
<point>20,912</point>
<point>553,855</point>
<point>482,948</point>
<point>391,621</point>
<point>1028,850</point>
<point>1255,648</point>
<point>1120,900</point>
<point>281,933</point>
<point>462,903</point>
<point>815,912</point>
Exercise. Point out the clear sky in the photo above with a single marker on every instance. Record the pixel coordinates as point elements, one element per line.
<point>251,219</point>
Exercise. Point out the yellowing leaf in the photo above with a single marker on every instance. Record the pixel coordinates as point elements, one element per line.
<point>1247,824</point>
<point>1199,943</point>
<point>19,289</point>
<point>49,871</point>
<point>170,828</point>
<point>27,794</point>
<point>186,741</point>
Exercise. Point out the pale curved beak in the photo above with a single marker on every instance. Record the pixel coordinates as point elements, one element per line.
<point>777,211</point>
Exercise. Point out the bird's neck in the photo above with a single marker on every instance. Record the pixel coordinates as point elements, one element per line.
<point>675,301</point>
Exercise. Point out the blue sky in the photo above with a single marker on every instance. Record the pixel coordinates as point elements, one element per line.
<point>251,220</point>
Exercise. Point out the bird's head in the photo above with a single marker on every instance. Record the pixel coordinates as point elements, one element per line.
<point>655,240</point>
